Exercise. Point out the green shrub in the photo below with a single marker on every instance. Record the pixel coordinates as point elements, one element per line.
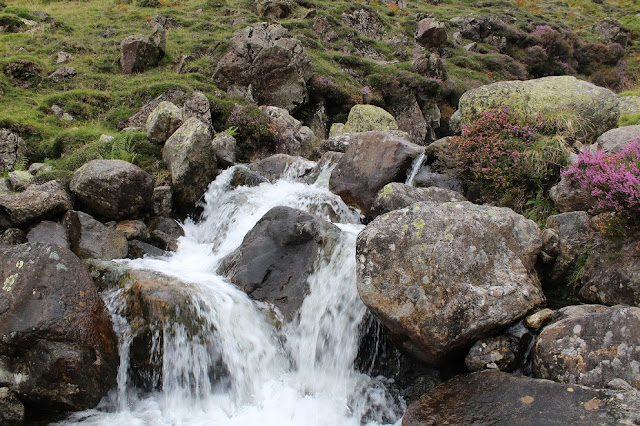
<point>254,132</point>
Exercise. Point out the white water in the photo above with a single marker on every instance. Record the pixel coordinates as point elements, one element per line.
<point>415,168</point>
<point>300,375</point>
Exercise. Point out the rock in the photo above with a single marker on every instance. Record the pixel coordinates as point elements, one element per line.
<point>583,108</point>
<point>276,9</point>
<point>37,203</point>
<point>197,105</point>
<point>366,22</point>
<point>133,229</point>
<point>11,409</point>
<point>402,102</point>
<point>20,179</point>
<point>162,201</point>
<point>455,123</point>
<point>324,167</point>
<point>139,249</point>
<point>242,176</point>
<point>63,74</point>
<point>291,137</point>
<point>396,195</point>
<point>629,104</point>
<point>191,161</point>
<point>266,65</point>
<point>61,114</point>
<point>427,179</point>
<point>538,319</point>
<point>36,168</point>
<point>430,66</point>
<point>91,239</point>
<point>63,58</point>
<point>139,119</point>
<point>138,53</point>
<point>430,33</point>
<point>569,199</point>
<point>365,118</point>
<point>113,189</point>
<point>614,140</point>
<point>493,397</point>
<point>12,150</point>
<point>611,31</point>
<point>323,29</point>
<point>277,256</point>
<point>372,160</point>
<point>13,236</point>
<point>164,233</point>
<point>499,353</point>
<point>591,349</point>
<point>224,145</point>
<point>336,129</point>
<point>5,186</point>
<point>59,351</point>
<point>165,119</point>
<point>282,166</point>
<point>442,276</point>
<point>49,233</point>
<point>479,29</point>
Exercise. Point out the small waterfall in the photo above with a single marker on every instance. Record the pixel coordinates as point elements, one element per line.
<point>415,168</point>
<point>300,375</point>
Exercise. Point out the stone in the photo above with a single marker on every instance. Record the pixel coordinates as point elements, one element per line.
<point>133,229</point>
<point>629,105</point>
<point>164,233</point>
<point>494,397</point>
<point>35,204</point>
<point>427,179</point>
<point>277,256</point>
<point>430,33</point>
<point>139,249</point>
<point>455,123</point>
<point>243,176</point>
<point>591,349</point>
<point>276,9</point>
<point>50,233</point>
<point>90,239</point>
<point>20,179</point>
<point>282,166</point>
<point>162,201</point>
<point>63,58</point>
<point>323,29</point>
<point>59,351</point>
<point>430,66</point>
<point>499,353</point>
<point>112,189</point>
<point>615,140</point>
<point>321,173</point>
<point>224,145</point>
<point>372,160</point>
<point>568,198</point>
<point>396,195</point>
<point>63,74</point>
<point>191,161</point>
<point>538,319</point>
<point>165,119</point>
<point>11,409</point>
<point>5,186</point>
<point>611,31</point>
<point>365,118</point>
<point>12,150</point>
<point>366,22</point>
<point>197,105</point>
<point>442,276</point>
<point>267,66</point>
<point>138,53</point>
<point>61,114</point>
<point>13,236</point>
<point>139,119</point>
<point>583,108</point>
<point>291,137</point>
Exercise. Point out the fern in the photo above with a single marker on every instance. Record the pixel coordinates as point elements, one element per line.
<point>122,148</point>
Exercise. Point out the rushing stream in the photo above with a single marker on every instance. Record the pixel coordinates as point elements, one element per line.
<point>301,374</point>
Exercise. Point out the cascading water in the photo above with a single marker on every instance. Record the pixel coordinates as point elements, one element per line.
<point>301,374</point>
<point>415,168</point>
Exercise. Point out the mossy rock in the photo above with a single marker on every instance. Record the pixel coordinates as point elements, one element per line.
<point>365,118</point>
<point>581,109</point>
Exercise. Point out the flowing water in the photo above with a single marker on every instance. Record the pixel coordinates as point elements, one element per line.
<point>415,168</point>
<point>301,374</point>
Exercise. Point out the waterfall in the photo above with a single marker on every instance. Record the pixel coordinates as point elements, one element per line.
<point>301,374</point>
<point>415,168</point>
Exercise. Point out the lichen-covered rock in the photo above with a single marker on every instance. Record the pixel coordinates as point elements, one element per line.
<point>499,353</point>
<point>266,65</point>
<point>366,22</point>
<point>591,349</point>
<point>431,33</point>
<point>282,166</point>
<point>11,408</point>
<point>224,145</point>
<point>396,195</point>
<point>191,161</point>
<point>20,179</point>
<point>63,74</point>
<point>162,201</point>
<point>277,256</point>
<point>291,137</point>
<point>629,104</point>
<point>614,140</point>
<point>277,9</point>
<point>372,160</point>
<point>139,119</point>
<point>442,276</point>
<point>12,150</point>
<point>583,108</point>
<point>113,189</point>
<point>139,53</point>
<point>364,118</point>
<point>165,119</point>
<point>197,105</point>
<point>93,240</point>
<point>13,236</point>
<point>37,203</point>
<point>493,397</point>
<point>50,233</point>
<point>59,351</point>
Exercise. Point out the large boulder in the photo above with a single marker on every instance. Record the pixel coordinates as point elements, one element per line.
<point>197,105</point>
<point>139,53</point>
<point>581,107</point>
<point>372,160</point>
<point>591,348</point>
<point>37,203</point>
<point>615,140</point>
<point>266,65</point>
<point>497,398</point>
<point>191,161</point>
<point>12,150</point>
<point>277,9</point>
<point>570,198</point>
<point>291,137</point>
<point>139,119</point>
<point>113,189</point>
<point>50,233</point>
<point>365,118</point>
<point>57,345</point>
<point>396,195</point>
<point>91,239</point>
<point>430,33</point>
<point>282,166</point>
<point>165,119</point>
<point>277,256</point>
<point>442,276</point>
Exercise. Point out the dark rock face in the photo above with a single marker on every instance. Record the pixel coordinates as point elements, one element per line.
<point>242,176</point>
<point>591,348</point>
<point>91,239</point>
<point>37,203</point>
<point>13,236</point>
<point>397,195</point>
<point>11,409</point>
<point>612,32</point>
<point>58,350</point>
<point>366,22</point>
<point>164,233</point>
<point>372,160</point>
<point>267,66</point>
<point>497,398</point>
<point>277,9</point>
<point>113,189</point>
<point>276,257</point>
<point>139,53</point>
<point>291,137</point>
<point>63,74</point>
<point>12,150</point>
<point>442,276</point>
<point>49,232</point>
<point>428,179</point>
<point>431,33</point>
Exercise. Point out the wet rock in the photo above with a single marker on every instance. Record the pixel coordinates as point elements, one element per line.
<point>427,179</point>
<point>266,65</point>
<point>63,74</point>
<point>59,351</point>
<point>12,150</point>
<point>165,119</point>
<point>164,233</point>
<point>498,353</point>
<point>139,249</point>
<point>133,229</point>
<point>430,33</point>
<point>243,176</point>
<point>113,189</point>
<point>442,276</point>
<point>50,233</point>
<point>162,201</point>
<point>191,161</point>
<point>277,256</point>
<point>13,236</point>
<point>372,160</point>
<point>366,22</point>
<point>277,9</point>
<point>91,239</point>
<point>591,349</point>
<point>396,195</point>
<point>324,167</point>
<point>37,203</point>
<point>11,408</point>
<point>614,140</point>
<point>138,53</point>
<point>291,137</point>
<point>282,166</point>
<point>493,397</point>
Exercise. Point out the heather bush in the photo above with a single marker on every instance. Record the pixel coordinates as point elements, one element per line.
<point>511,160</point>
<point>254,132</point>
<point>551,56</point>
